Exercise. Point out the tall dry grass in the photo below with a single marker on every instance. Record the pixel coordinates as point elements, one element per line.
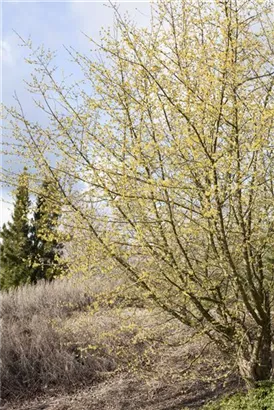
<point>55,336</point>
<point>36,354</point>
<point>72,332</point>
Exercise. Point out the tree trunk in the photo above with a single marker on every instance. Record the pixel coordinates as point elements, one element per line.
<point>255,363</point>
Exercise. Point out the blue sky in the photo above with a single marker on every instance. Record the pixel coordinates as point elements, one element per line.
<point>53,24</point>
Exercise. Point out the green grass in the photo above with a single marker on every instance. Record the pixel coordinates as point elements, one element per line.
<point>261,398</point>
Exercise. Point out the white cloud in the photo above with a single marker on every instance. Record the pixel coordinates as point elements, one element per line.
<point>6,53</point>
<point>6,212</point>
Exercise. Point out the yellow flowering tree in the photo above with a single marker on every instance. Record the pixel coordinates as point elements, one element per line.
<point>169,146</point>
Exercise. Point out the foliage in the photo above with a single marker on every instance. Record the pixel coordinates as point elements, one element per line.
<point>172,155</point>
<point>31,249</point>
<point>46,241</point>
<point>261,398</point>
<point>16,242</point>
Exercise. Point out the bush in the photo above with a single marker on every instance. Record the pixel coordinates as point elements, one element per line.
<point>261,398</point>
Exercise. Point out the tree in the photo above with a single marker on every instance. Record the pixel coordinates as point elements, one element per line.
<point>16,243</point>
<point>31,249</point>
<point>46,242</point>
<point>176,144</point>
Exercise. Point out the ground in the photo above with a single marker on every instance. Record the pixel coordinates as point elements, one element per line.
<point>122,392</point>
<point>59,352</point>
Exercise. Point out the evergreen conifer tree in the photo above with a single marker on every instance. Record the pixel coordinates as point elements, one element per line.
<point>16,242</point>
<point>46,244</point>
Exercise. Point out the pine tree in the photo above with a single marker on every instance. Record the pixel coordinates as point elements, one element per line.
<point>16,243</point>
<point>46,244</point>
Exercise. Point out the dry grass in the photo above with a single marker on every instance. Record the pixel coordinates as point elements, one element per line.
<point>36,354</point>
<point>54,336</point>
<point>55,339</point>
